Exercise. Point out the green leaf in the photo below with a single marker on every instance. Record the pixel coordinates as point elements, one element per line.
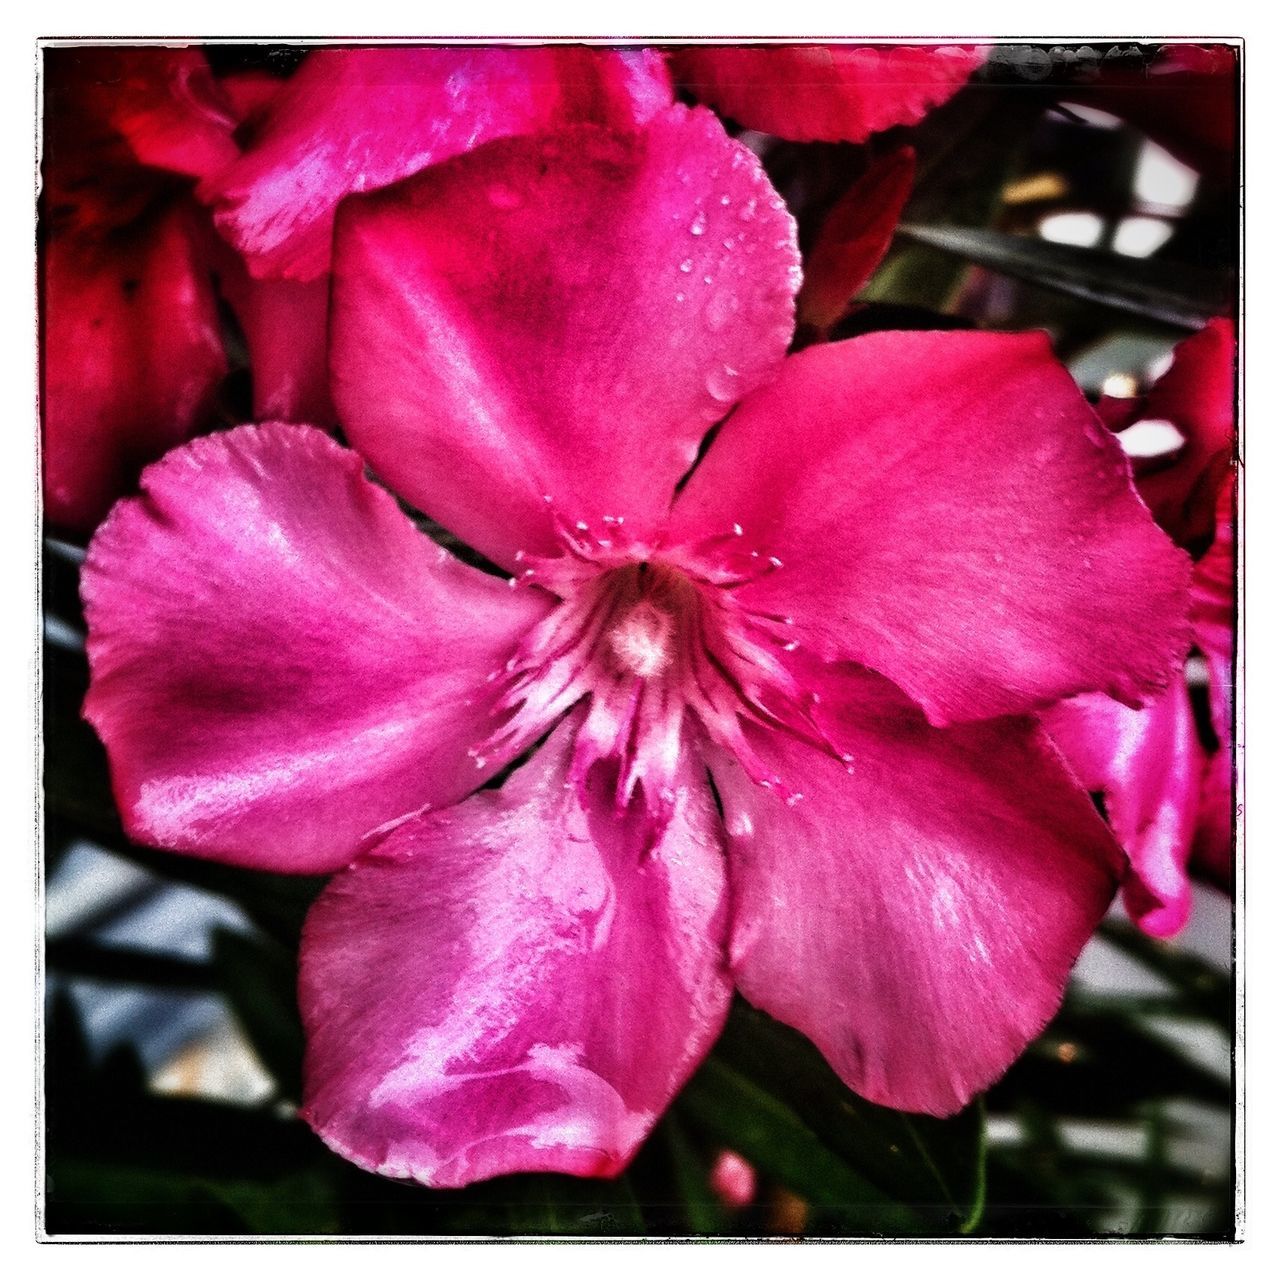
<point>1172,293</point>
<point>691,1174</point>
<point>724,1103</point>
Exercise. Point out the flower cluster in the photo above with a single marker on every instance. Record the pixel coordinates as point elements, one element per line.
<point>760,638</point>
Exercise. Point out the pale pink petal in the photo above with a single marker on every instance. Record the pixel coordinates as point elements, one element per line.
<point>131,357</point>
<point>545,329</point>
<point>280,661</point>
<point>916,910</point>
<point>829,93</point>
<point>946,509</point>
<point>854,238</point>
<point>514,984</point>
<point>358,119</point>
<point>1147,763</point>
<point>1197,395</point>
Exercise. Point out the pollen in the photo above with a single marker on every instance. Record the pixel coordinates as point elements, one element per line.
<point>641,640</point>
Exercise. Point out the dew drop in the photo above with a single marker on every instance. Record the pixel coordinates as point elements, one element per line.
<point>699,224</point>
<point>748,210</point>
<point>721,308</point>
<point>687,265</point>
<point>679,297</point>
<point>724,199</point>
<point>723,383</point>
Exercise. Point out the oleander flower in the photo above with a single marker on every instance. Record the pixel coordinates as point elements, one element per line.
<point>1169,797</point>
<point>775,690</point>
<point>131,352</point>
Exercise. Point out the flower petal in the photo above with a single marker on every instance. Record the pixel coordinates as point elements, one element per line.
<point>111,113</point>
<point>1198,395</point>
<point>131,357</point>
<point>358,119</point>
<point>915,912</point>
<point>558,317</point>
<point>854,237</point>
<point>828,93</point>
<point>1148,763</point>
<point>947,511</point>
<point>1213,610</point>
<point>286,330</point>
<point>280,661</point>
<point>513,985</point>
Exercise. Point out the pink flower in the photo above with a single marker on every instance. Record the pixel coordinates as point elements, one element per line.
<point>788,700</point>
<point>131,353</point>
<point>1169,799</point>
<point>827,93</point>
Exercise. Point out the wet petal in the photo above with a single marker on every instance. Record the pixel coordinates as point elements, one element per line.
<point>829,93</point>
<point>513,985</point>
<point>358,119</point>
<point>916,911</point>
<point>131,358</point>
<point>280,661</point>
<point>545,329</point>
<point>945,509</point>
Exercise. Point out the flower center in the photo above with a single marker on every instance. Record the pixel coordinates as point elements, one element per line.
<point>641,640</point>
<point>657,644</point>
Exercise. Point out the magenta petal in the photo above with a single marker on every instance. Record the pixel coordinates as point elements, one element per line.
<point>280,661</point>
<point>1148,764</point>
<point>162,104</point>
<point>854,237</point>
<point>947,510</point>
<point>514,984</point>
<point>546,328</point>
<point>1198,395</point>
<point>286,330</point>
<point>915,911</point>
<point>1213,600</point>
<point>131,358</point>
<point>829,93</point>
<point>358,119</point>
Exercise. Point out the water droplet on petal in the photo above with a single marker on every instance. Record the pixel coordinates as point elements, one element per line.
<point>721,308</point>
<point>723,384</point>
<point>699,224</point>
<point>748,211</point>
<point>687,265</point>
<point>724,199</point>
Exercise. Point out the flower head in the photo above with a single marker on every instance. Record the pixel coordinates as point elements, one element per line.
<point>779,682</point>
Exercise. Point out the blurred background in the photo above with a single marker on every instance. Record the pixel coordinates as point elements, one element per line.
<point>172,1041</point>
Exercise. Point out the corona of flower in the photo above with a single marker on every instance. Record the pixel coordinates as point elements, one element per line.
<point>777,686</point>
